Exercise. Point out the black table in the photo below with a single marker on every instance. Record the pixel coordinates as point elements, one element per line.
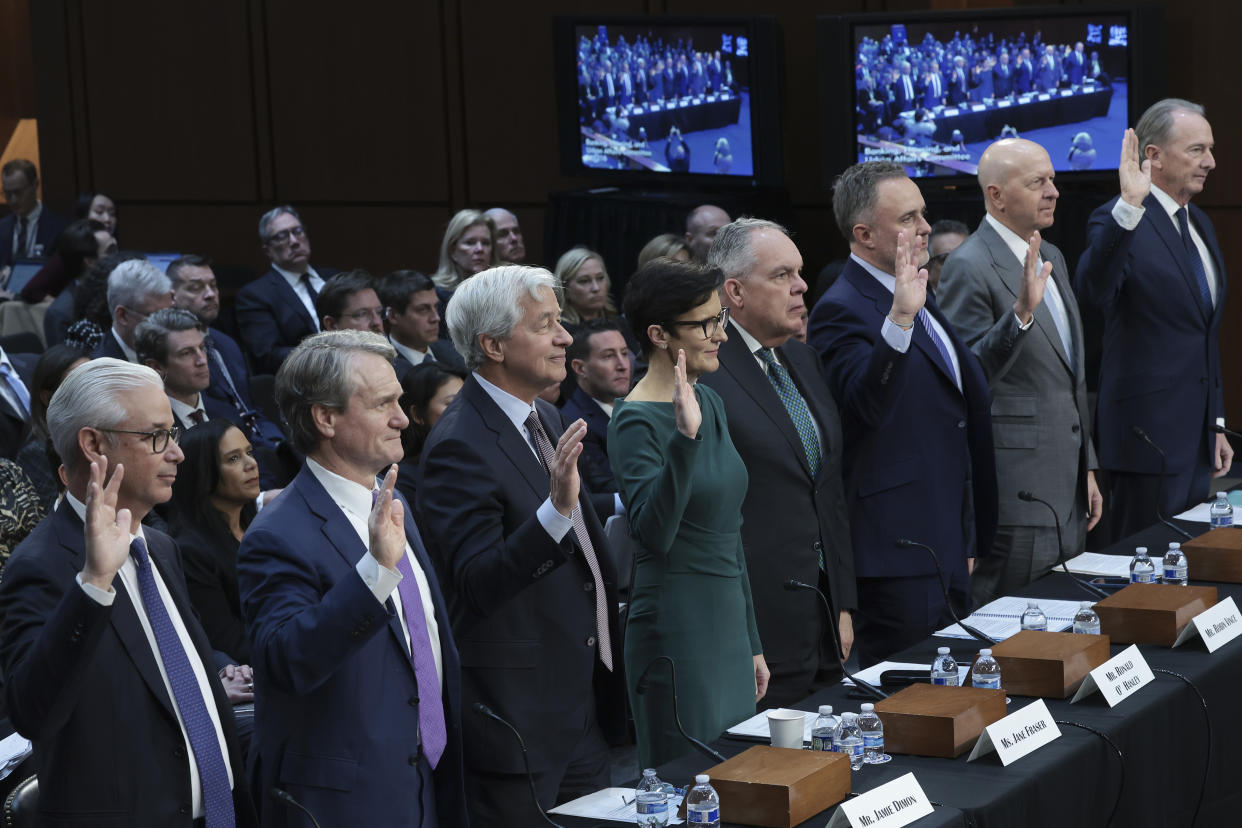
<point>986,124</point>
<point>687,116</point>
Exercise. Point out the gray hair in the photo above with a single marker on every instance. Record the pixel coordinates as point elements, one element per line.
<point>91,397</point>
<point>490,304</point>
<point>448,275</point>
<point>133,281</point>
<point>151,335</point>
<point>1156,123</point>
<point>855,191</point>
<point>320,371</point>
<point>731,251</point>
<point>265,220</point>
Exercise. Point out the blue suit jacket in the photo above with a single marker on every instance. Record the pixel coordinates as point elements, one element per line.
<point>336,701</point>
<point>273,319</point>
<point>109,347</point>
<point>919,462</point>
<point>49,228</point>
<point>219,403</point>
<point>598,469</point>
<point>1160,368</point>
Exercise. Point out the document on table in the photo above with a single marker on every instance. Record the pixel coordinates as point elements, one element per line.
<point>756,727</point>
<point>1094,563</point>
<point>1003,618</point>
<point>13,749</point>
<point>1197,514</point>
<point>615,805</point>
<point>872,674</point>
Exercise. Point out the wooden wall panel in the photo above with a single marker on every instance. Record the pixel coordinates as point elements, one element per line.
<point>17,84</point>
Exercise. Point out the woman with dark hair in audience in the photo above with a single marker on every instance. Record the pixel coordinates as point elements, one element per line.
<point>90,237</point>
<point>38,457</point>
<point>213,502</point>
<point>426,390</point>
<point>682,483</point>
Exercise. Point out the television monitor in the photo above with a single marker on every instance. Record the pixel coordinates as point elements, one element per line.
<point>931,90</point>
<point>654,99</point>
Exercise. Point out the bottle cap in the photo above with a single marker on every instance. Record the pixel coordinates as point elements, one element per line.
<point>1222,494</point>
<point>985,651</point>
<point>702,779</point>
<point>1085,605</point>
<point>868,707</point>
<point>942,650</point>
<point>825,710</point>
<point>649,772</point>
<point>1174,545</point>
<point>849,717</point>
<point>1032,605</point>
<point>1139,549</point>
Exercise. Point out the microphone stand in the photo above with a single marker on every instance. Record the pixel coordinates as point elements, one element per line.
<point>644,681</point>
<point>1030,498</point>
<point>1142,435</point>
<point>871,690</point>
<point>483,710</point>
<point>906,543</point>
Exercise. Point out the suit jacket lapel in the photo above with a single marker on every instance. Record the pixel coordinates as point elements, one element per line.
<point>511,442</point>
<point>822,417</point>
<point>290,299</point>
<point>1172,238</point>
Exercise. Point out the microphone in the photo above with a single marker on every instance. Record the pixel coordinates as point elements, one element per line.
<point>641,688</point>
<point>483,710</point>
<point>1220,429</point>
<point>1030,498</point>
<point>871,690</point>
<point>1142,435</point>
<point>906,543</point>
<point>286,797</point>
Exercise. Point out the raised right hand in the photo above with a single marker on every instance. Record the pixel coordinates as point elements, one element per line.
<point>685,404</point>
<point>1034,281</point>
<point>1134,171</point>
<point>910,289</point>
<point>107,529</point>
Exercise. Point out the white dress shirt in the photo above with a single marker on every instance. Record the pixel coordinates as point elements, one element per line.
<point>32,232</point>
<point>755,346</point>
<point>130,354</point>
<point>413,356</point>
<point>1128,216</point>
<point>1056,306</point>
<point>183,412</point>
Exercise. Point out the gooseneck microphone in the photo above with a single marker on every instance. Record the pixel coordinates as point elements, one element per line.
<point>906,543</point>
<point>644,681</point>
<point>483,710</point>
<point>287,798</point>
<point>1030,498</point>
<point>793,584</point>
<point>1142,435</point>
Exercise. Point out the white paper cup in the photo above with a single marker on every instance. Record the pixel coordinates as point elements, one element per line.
<point>786,727</point>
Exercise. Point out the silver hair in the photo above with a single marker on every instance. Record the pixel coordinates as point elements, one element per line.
<point>265,220</point>
<point>151,335</point>
<point>92,396</point>
<point>1155,125</point>
<point>131,282</point>
<point>490,304</point>
<point>320,372</point>
<point>731,251</point>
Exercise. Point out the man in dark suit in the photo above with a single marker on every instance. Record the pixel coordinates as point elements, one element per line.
<point>530,587</point>
<point>358,697</point>
<point>1023,72</point>
<point>107,670</point>
<point>277,310</point>
<point>1008,296</point>
<point>904,92</point>
<point>1048,76</point>
<point>409,299</point>
<point>1002,77</point>
<point>785,425</point>
<point>136,289</point>
<point>29,230</point>
<point>1154,269</point>
<point>1075,65</point>
<point>600,360</point>
<point>933,88</point>
<point>918,433</point>
<point>16,377</point>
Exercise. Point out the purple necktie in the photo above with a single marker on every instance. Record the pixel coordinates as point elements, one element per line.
<point>212,772</point>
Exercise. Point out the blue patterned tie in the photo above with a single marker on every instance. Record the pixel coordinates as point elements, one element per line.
<point>17,387</point>
<point>212,772</point>
<point>1196,261</point>
<point>941,347</point>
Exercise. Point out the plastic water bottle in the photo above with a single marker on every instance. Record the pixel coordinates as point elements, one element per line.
<point>651,800</point>
<point>1034,618</point>
<point>1175,570</point>
<point>986,673</point>
<point>849,740</point>
<point>703,803</point>
<point>1085,620</point>
<point>1222,511</point>
<point>873,736</point>
<point>824,730</point>
<point>1141,569</point>
<point>944,669</point>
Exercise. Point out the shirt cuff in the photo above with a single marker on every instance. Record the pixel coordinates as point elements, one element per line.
<point>1022,327</point>
<point>897,338</point>
<point>553,522</point>
<point>1127,215</point>
<point>618,508</point>
<point>104,597</point>
<point>379,579</point>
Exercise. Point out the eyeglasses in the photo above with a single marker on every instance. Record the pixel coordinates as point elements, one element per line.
<point>283,236</point>
<point>367,313</point>
<point>159,438</point>
<point>938,259</point>
<point>709,325</point>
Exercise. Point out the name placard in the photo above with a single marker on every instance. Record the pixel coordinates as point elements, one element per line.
<point>1018,734</point>
<point>891,805</point>
<point>1217,626</point>
<point>1003,104</point>
<point>1118,678</point>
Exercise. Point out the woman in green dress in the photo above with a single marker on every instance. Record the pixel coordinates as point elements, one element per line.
<point>683,483</point>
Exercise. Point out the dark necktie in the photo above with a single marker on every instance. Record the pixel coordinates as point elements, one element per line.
<point>198,417</point>
<point>430,704</point>
<point>21,239</point>
<point>548,454</point>
<point>1196,261</point>
<point>310,289</point>
<point>213,774</point>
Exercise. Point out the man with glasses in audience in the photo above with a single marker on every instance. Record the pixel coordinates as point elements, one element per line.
<point>946,236</point>
<point>29,230</point>
<point>277,310</point>
<point>349,302</point>
<point>136,289</point>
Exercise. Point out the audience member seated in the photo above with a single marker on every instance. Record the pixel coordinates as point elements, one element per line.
<point>16,377</point>
<point>20,509</point>
<point>349,302</point>
<point>38,457</point>
<point>586,288</point>
<point>136,289</point>
<point>946,236</point>
<point>468,248</point>
<point>510,246</point>
<point>213,501</point>
<point>277,310</point>
<point>414,322</point>
<point>85,299</point>
<point>426,390</point>
<point>701,226</point>
<point>668,245</point>
<point>59,272</point>
<point>600,358</point>
<point>30,228</point>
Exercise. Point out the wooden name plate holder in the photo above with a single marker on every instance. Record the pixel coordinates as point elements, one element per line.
<point>1216,555</point>
<point>1048,664</point>
<point>778,787</point>
<point>1152,613</point>
<point>931,720</point>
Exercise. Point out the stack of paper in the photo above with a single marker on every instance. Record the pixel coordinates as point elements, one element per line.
<point>756,727</point>
<point>1093,563</point>
<point>12,751</point>
<point>613,804</point>
<point>1003,618</point>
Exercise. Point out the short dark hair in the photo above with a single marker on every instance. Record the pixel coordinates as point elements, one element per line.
<point>198,475</point>
<point>49,370</point>
<point>76,243</point>
<point>21,165</point>
<point>173,271</point>
<point>581,346</point>
<point>337,290</point>
<point>418,387</point>
<point>151,335</point>
<point>944,226</point>
<point>397,287</point>
<point>854,192</point>
<point>82,207</point>
<point>662,290</point>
